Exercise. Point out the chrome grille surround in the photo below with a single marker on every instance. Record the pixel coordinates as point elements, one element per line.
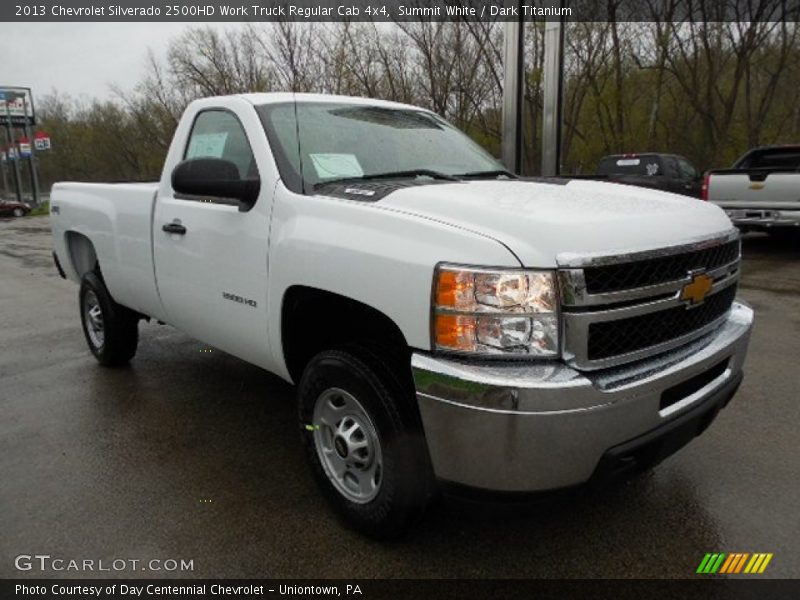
<point>580,309</point>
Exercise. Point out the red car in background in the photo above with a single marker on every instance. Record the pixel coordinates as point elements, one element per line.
<point>10,208</point>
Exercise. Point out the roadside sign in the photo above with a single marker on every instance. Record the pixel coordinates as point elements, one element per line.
<point>41,141</point>
<point>24,147</point>
<point>17,104</point>
<point>17,112</point>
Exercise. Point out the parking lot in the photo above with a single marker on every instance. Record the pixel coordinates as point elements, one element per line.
<point>193,454</point>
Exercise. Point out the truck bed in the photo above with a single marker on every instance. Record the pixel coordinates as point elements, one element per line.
<point>117,218</point>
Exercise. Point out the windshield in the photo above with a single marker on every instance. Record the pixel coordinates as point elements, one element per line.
<point>344,141</point>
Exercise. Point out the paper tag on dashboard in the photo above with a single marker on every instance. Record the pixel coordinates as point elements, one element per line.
<point>207,145</point>
<point>335,166</point>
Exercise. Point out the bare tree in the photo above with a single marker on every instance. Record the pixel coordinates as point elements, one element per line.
<point>688,81</point>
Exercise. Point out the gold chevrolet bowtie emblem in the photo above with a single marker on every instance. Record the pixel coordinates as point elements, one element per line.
<point>697,289</point>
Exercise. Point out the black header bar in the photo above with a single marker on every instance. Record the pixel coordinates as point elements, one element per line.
<point>259,11</point>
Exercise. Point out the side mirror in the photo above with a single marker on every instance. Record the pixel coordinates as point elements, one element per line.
<point>217,179</point>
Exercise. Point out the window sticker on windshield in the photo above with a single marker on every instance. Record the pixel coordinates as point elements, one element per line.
<point>652,168</point>
<point>329,166</point>
<point>210,145</point>
<point>628,162</point>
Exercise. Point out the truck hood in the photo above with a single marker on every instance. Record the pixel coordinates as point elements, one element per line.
<point>539,221</point>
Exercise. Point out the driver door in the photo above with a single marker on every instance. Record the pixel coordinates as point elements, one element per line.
<point>210,258</point>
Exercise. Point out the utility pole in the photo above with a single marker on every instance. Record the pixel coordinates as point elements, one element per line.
<point>32,157</point>
<point>13,147</point>
<point>5,177</point>
<point>513,88</point>
<point>552,113</point>
<point>513,80</point>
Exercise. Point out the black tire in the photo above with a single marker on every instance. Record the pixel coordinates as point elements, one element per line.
<point>406,481</point>
<point>120,325</point>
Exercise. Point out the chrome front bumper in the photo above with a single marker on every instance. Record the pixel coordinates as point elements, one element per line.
<point>518,427</point>
<point>763,219</point>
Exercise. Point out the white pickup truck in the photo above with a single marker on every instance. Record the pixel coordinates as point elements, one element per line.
<point>761,192</point>
<point>448,324</point>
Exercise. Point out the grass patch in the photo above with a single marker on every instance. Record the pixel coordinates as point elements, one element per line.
<point>42,209</point>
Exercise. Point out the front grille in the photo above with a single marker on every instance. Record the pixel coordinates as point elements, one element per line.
<point>653,271</point>
<point>613,338</point>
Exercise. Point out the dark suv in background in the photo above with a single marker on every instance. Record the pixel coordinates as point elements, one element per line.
<point>667,172</point>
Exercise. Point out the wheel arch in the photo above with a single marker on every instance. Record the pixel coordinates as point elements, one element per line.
<point>81,253</point>
<point>313,320</point>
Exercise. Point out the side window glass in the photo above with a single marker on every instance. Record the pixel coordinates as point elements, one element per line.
<point>687,171</point>
<point>218,134</point>
<point>672,167</point>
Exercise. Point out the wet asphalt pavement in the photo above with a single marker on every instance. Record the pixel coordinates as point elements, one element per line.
<point>191,454</point>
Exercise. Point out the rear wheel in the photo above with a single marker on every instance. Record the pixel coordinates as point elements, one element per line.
<point>363,438</point>
<point>111,330</point>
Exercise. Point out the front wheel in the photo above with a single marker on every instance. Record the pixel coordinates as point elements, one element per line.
<point>111,330</point>
<point>363,438</point>
<point>18,212</point>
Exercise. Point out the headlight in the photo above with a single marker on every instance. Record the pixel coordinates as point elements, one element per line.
<point>485,311</point>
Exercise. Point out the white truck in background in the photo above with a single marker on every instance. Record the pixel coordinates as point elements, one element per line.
<point>447,323</point>
<point>761,192</point>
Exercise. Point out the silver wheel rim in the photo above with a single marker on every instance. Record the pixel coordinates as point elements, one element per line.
<point>18,212</point>
<point>93,319</point>
<point>348,445</point>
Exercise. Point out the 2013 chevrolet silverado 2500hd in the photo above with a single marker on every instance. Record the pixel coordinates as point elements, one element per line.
<point>445,321</point>
<point>761,192</point>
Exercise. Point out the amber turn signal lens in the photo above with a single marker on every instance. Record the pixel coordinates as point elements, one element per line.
<point>454,289</point>
<point>455,332</point>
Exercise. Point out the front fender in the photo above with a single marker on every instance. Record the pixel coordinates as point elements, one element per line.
<point>384,259</point>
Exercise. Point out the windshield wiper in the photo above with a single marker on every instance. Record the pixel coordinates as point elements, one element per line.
<point>392,175</point>
<point>480,174</point>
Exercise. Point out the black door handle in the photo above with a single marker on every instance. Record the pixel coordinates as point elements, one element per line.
<point>174,228</point>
